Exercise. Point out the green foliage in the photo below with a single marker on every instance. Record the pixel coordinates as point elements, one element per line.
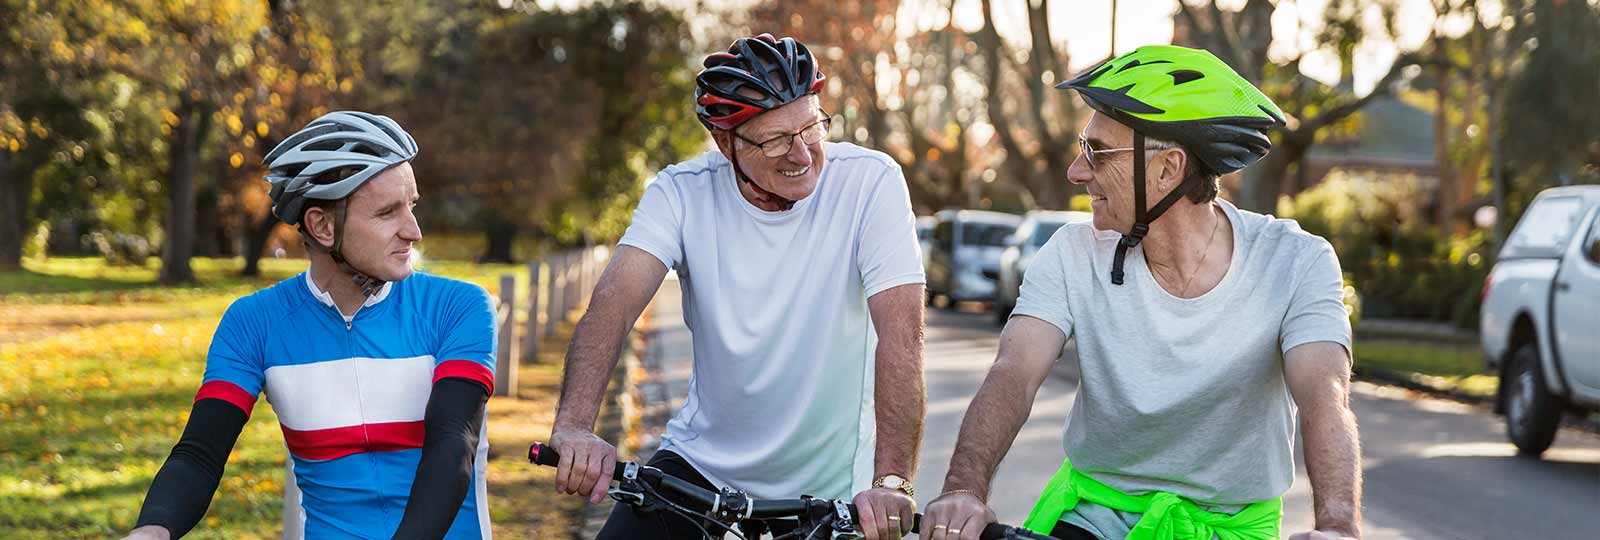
<point>552,120</point>
<point>529,120</point>
<point>1550,112</point>
<point>1403,267</point>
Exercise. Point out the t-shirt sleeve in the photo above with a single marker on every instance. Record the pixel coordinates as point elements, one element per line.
<point>234,371</point>
<point>1043,294</point>
<point>657,226</point>
<point>1316,310</point>
<point>887,251</point>
<point>468,341</point>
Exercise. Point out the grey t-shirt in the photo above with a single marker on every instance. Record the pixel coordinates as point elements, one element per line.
<point>1186,396</point>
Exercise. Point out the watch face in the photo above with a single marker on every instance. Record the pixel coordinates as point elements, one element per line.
<point>893,482</point>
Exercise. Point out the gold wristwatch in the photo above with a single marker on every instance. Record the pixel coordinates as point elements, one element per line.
<point>895,482</point>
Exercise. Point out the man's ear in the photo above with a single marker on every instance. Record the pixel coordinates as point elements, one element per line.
<point>318,224</point>
<point>1172,162</point>
<point>724,140</point>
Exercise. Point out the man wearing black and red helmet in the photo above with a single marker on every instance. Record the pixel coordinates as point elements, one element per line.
<point>803,288</point>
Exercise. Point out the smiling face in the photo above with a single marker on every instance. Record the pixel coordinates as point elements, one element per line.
<point>1110,181</point>
<point>792,175</point>
<point>379,226</point>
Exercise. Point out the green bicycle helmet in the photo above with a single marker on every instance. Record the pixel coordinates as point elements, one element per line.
<point>1187,96</point>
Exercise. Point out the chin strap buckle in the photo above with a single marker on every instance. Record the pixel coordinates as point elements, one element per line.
<point>1139,231</point>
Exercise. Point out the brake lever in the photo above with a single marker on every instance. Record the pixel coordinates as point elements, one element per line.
<point>628,490</point>
<point>844,523</point>
<point>625,495</point>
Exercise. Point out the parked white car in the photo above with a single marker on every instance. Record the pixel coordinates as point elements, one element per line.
<point>1540,323</point>
<point>965,254</point>
<point>1036,228</point>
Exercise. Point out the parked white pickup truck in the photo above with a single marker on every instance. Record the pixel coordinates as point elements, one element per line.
<point>1540,323</point>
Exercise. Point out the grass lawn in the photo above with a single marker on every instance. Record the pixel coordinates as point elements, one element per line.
<point>98,368</point>
<point>1456,367</point>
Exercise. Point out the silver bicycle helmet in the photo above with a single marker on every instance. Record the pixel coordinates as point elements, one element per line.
<point>331,157</point>
<point>327,160</point>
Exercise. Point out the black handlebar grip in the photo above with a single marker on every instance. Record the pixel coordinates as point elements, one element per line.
<point>543,455</point>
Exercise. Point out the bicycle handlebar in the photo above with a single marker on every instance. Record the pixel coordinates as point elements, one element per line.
<point>711,501</point>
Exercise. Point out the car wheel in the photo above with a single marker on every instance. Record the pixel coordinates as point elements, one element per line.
<point>1532,412</point>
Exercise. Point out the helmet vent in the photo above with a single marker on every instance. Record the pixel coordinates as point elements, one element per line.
<point>325,146</point>
<point>1270,112</point>
<point>364,149</point>
<point>333,176</point>
<point>1185,75</point>
<point>1136,62</point>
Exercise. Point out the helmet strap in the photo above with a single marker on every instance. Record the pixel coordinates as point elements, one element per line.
<point>784,203</point>
<point>1141,217</point>
<point>369,285</point>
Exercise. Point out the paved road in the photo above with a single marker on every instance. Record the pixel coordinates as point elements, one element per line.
<point>1434,470</point>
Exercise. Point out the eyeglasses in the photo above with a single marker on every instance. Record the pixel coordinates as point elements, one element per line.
<point>780,145</point>
<point>1088,152</point>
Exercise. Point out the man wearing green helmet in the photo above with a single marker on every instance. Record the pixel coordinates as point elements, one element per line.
<point>1215,334</point>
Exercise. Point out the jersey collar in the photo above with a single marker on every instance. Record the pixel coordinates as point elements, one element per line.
<point>327,299</point>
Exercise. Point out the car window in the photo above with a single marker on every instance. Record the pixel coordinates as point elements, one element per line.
<point>987,234</point>
<point>1548,223</point>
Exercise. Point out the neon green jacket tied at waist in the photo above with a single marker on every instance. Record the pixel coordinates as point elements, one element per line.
<point>1165,516</point>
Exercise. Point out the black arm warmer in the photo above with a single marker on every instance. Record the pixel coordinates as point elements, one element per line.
<point>182,489</point>
<point>451,424</point>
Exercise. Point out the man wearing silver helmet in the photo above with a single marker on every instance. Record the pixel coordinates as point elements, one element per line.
<point>378,375</point>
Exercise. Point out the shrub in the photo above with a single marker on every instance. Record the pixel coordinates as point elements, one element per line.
<point>1402,264</point>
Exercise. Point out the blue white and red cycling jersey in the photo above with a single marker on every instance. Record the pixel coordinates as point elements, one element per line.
<point>350,393</point>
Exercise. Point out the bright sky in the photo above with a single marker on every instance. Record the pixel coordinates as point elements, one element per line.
<point>1084,26</point>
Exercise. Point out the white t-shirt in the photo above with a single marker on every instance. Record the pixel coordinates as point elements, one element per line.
<point>781,400</point>
<point>1186,396</point>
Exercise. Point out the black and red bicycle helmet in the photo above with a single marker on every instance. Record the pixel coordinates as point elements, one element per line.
<point>772,72</point>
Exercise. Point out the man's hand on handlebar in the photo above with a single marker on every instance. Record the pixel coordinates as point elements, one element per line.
<point>587,463</point>
<point>957,515</point>
<point>884,514</point>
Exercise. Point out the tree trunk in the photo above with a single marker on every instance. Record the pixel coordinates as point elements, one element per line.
<point>15,188</point>
<point>1262,183</point>
<point>1448,197</point>
<point>193,121</point>
<point>208,223</point>
<point>500,237</point>
<point>1017,161</point>
<point>255,242</point>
